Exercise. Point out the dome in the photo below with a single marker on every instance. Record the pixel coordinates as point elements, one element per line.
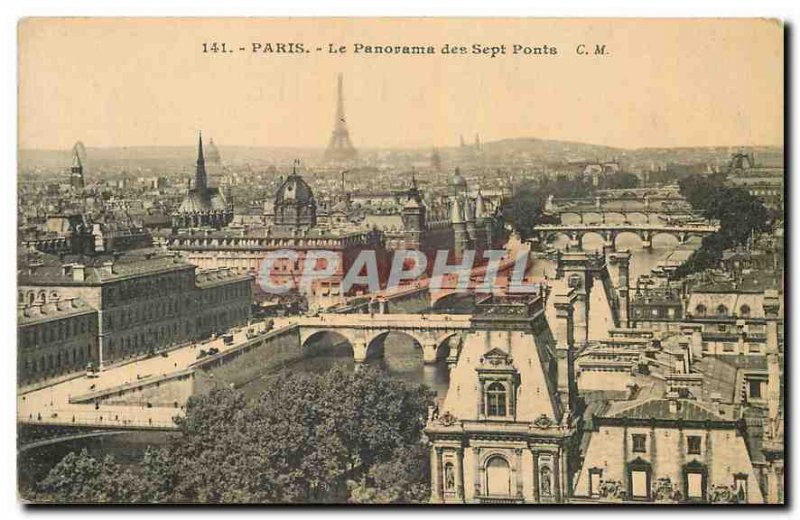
<point>294,190</point>
<point>212,153</point>
<point>459,183</point>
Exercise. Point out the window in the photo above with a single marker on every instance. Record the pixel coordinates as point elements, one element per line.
<point>639,442</point>
<point>496,400</point>
<point>740,487</point>
<point>728,347</point>
<point>639,487</point>
<point>744,311</point>
<point>595,476</point>
<point>754,388</point>
<point>693,444</point>
<point>498,477</point>
<point>700,310</point>
<point>722,311</point>
<point>694,486</point>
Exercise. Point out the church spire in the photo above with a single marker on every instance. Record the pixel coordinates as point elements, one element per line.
<point>76,170</point>
<point>200,180</point>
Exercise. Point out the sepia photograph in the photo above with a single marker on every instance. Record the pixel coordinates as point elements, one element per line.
<point>400,261</point>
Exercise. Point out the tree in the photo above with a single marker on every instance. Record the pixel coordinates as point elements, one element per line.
<point>402,479</point>
<point>81,478</point>
<point>739,215</point>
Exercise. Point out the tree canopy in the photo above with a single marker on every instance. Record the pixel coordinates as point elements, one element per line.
<point>739,215</point>
<point>336,437</point>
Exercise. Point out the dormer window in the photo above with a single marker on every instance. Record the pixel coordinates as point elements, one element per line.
<point>496,400</point>
<point>498,381</point>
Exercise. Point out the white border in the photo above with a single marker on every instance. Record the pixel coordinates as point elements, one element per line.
<point>12,11</point>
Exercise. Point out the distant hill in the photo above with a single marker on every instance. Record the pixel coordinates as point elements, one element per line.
<point>544,150</point>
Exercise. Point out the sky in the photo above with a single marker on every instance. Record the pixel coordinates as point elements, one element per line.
<point>144,82</point>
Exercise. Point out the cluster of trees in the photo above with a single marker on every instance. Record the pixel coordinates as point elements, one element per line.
<point>530,196</point>
<point>739,214</point>
<point>336,437</point>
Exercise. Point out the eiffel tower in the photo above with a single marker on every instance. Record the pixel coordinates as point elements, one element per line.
<point>340,148</point>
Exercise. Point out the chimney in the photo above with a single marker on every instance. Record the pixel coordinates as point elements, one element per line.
<point>715,400</point>
<point>567,386</point>
<point>674,403</point>
<point>78,272</point>
<point>108,267</point>
<point>633,389</point>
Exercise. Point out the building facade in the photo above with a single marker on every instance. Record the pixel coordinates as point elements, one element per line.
<point>54,337</point>
<point>506,426</point>
<point>145,301</point>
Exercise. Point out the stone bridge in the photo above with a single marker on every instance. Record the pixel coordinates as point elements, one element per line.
<point>365,332</point>
<point>658,199</point>
<point>593,215</point>
<point>545,233</point>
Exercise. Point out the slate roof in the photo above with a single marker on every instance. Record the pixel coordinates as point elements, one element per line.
<point>657,408</point>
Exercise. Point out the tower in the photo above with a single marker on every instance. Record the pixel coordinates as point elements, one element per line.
<point>436,161</point>
<point>200,179</point>
<point>76,171</point>
<point>413,217</point>
<point>340,147</point>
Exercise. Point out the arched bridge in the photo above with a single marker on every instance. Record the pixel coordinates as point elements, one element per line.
<point>366,332</point>
<point>545,233</point>
<point>593,215</point>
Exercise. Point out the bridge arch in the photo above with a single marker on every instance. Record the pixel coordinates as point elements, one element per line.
<point>637,217</point>
<point>375,346</point>
<point>592,217</point>
<point>673,237</point>
<point>615,216</point>
<point>338,337</point>
<point>598,237</point>
<point>624,238</point>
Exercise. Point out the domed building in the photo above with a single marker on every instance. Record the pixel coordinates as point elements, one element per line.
<point>458,184</point>
<point>214,169</point>
<point>295,206</point>
<point>203,206</point>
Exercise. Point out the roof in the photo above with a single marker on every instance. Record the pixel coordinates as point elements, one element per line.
<point>294,190</point>
<point>659,408</point>
<point>199,200</point>
<point>53,311</point>
<point>212,277</point>
<point>100,269</point>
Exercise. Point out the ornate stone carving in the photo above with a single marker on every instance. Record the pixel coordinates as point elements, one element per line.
<point>447,419</point>
<point>664,490</point>
<point>543,421</point>
<point>719,494</point>
<point>611,489</point>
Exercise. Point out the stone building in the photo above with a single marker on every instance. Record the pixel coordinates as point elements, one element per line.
<point>204,206</point>
<point>54,336</point>
<point>761,181</point>
<point>295,228</point>
<point>667,450</point>
<point>145,300</point>
<point>506,426</point>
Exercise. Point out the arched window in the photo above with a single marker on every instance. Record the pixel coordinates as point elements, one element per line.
<point>722,311</point>
<point>496,402</point>
<point>700,310</point>
<point>498,477</point>
<point>744,311</point>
